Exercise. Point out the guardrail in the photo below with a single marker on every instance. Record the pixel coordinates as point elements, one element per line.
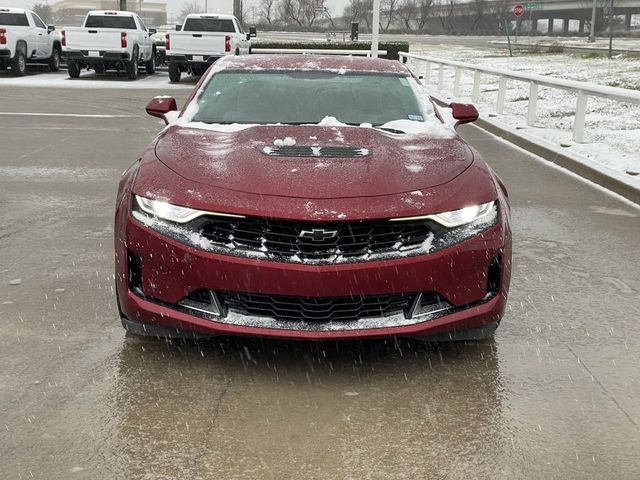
<point>311,51</point>
<point>583,90</point>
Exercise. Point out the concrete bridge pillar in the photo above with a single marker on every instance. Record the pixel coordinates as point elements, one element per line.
<point>581,27</point>
<point>550,27</point>
<point>565,26</point>
<point>627,21</point>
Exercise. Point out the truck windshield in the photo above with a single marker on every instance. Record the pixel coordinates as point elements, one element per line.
<point>299,97</point>
<point>14,19</point>
<point>110,21</point>
<point>208,25</point>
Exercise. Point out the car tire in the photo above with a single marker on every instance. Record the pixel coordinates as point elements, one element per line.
<point>19,64</point>
<point>73,67</point>
<point>54,60</point>
<point>174,73</point>
<point>150,65</point>
<point>132,67</point>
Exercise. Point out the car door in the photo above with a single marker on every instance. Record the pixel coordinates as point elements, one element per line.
<point>43,42</point>
<point>145,39</point>
<point>243,43</point>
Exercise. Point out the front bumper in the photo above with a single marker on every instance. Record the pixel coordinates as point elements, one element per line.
<point>168,271</point>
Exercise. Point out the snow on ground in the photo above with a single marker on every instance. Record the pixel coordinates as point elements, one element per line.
<point>88,79</point>
<point>612,131</point>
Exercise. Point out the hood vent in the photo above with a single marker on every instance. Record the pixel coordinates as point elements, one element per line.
<point>302,151</point>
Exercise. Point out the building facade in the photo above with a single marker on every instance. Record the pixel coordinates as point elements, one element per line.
<point>72,12</point>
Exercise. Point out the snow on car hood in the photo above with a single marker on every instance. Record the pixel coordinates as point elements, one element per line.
<point>240,158</point>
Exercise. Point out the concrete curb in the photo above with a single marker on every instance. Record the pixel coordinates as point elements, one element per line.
<point>551,153</point>
<point>565,160</point>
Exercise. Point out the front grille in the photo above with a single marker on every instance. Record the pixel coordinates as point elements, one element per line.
<point>317,242</point>
<point>314,309</point>
<point>313,151</point>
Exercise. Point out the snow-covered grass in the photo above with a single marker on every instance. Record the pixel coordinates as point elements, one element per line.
<point>612,131</point>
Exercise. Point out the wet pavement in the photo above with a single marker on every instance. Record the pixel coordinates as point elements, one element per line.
<point>553,396</point>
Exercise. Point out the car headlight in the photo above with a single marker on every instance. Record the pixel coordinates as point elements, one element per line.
<point>467,215</point>
<point>485,213</point>
<point>173,213</point>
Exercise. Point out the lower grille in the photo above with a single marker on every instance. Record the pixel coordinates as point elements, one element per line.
<point>313,309</point>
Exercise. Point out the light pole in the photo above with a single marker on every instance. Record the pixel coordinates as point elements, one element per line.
<point>375,29</point>
<point>592,32</point>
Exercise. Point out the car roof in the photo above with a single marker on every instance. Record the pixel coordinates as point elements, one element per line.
<point>13,10</point>
<point>222,16</point>
<point>331,63</point>
<point>115,13</point>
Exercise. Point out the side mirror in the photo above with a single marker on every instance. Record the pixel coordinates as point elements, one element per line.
<point>253,32</point>
<point>248,36</point>
<point>464,112</point>
<point>152,31</point>
<point>161,106</point>
<point>178,28</point>
<point>50,28</point>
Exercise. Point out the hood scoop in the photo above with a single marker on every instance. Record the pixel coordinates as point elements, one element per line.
<point>315,151</point>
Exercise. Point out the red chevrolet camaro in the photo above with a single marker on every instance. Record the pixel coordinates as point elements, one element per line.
<point>311,198</point>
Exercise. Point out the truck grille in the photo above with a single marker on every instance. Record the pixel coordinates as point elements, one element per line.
<point>313,309</point>
<point>317,242</point>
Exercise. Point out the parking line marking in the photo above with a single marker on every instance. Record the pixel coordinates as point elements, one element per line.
<point>79,115</point>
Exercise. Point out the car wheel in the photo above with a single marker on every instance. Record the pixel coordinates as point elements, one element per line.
<point>54,61</point>
<point>174,73</point>
<point>132,67</point>
<point>151,64</point>
<point>19,64</point>
<point>73,67</point>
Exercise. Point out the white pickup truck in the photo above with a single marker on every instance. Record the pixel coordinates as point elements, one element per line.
<point>203,39</point>
<point>110,40</point>
<point>24,38</point>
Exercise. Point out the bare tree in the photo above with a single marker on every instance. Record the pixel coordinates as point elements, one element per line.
<point>407,12</point>
<point>388,11</point>
<point>190,7</point>
<point>267,10</point>
<point>359,11</point>
<point>424,13</point>
<point>44,11</point>
<point>302,13</point>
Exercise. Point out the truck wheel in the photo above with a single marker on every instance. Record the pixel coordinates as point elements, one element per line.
<point>19,64</point>
<point>132,67</point>
<point>54,61</point>
<point>73,67</point>
<point>151,64</point>
<point>174,72</point>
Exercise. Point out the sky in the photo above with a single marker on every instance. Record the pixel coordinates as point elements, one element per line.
<point>173,6</point>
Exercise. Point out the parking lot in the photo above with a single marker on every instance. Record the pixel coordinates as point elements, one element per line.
<point>553,396</point>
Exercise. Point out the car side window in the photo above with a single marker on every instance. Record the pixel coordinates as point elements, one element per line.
<point>238,27</point>
<point>36,20</point>
<point>142,25</point>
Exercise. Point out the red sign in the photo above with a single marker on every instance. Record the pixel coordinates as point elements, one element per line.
<point>518,10</point>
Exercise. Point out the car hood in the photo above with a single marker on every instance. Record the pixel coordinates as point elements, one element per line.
<point>258,159</point>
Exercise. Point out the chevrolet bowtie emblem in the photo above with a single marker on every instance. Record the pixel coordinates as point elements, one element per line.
<point>318,234</point>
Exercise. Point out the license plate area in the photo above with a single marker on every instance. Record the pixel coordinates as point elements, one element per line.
<point>94,53</point>
<point>198,58</point>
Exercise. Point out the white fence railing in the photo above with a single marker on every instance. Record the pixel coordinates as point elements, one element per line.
<point>309,51</point>
<point>583,90</point>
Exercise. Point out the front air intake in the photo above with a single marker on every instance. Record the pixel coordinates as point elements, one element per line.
<point>306,151</point>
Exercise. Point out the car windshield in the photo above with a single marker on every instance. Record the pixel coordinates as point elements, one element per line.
<point>110,21</point>
<point>14,19</point>
<point>302,97</point>
<point>208,25</point>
